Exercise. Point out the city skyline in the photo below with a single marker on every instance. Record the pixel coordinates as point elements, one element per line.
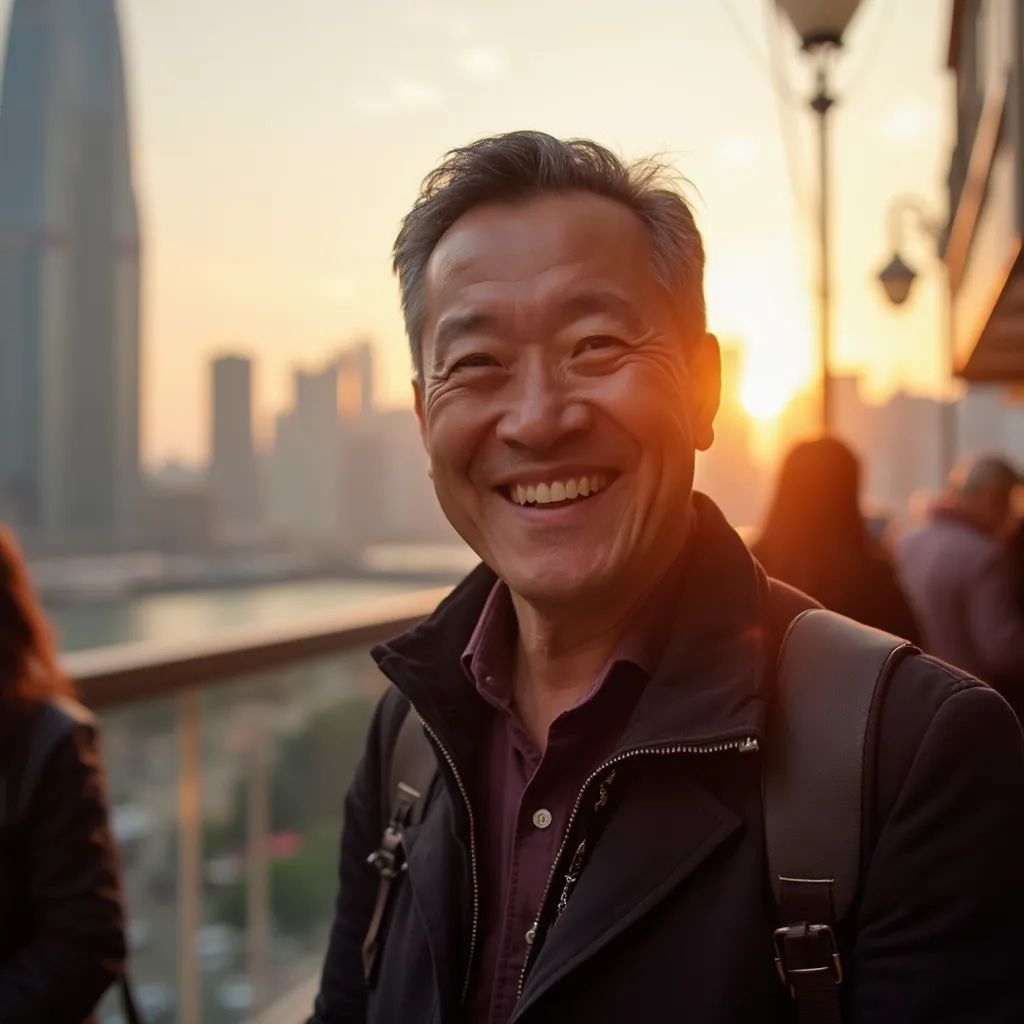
<point>274,174</point>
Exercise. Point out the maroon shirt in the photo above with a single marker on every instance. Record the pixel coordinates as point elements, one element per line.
<point>522,800</point>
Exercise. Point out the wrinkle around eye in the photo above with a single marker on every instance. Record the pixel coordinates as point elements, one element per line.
<point>443,385</point>
<point>659,353</point>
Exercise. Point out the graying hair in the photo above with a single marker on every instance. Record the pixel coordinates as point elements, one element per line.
<point>520,165</point>
<point>984,471</point>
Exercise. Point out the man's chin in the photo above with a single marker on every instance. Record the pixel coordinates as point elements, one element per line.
<point>555,586</point>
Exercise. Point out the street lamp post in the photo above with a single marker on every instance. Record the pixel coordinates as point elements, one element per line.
<point>821,103</point>
<point>820,25</point>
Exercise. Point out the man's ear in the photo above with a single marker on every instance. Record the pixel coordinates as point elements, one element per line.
<point>706,390</point>
<point>417,399</point>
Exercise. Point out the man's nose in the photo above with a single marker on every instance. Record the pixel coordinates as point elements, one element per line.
<point>542,410</point>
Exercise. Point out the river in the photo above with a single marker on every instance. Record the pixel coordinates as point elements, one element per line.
<point>191,614</point>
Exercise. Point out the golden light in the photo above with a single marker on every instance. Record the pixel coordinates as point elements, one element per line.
<point>770,328</point>
<point>767,385</point>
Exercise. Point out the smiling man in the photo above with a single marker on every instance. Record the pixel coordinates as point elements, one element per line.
<point>595,694</point>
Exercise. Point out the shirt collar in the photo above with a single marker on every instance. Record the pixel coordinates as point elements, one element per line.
<point>488,657</point>
<point>710,681</point>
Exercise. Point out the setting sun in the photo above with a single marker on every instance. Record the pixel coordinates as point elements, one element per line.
<point>767,386</point>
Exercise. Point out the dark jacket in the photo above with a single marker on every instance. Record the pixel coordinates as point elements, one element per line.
<point>672,918</point>
<point>61,922</point>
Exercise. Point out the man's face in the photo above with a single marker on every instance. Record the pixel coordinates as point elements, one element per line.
<point>559,405</point>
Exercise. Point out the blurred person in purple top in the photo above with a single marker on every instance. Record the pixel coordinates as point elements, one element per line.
<point>962,580</point>
<point>815,538</point>
<point>595,692</point>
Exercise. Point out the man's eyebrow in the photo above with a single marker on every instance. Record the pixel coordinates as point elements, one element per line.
<point>453,325</point>
<point>586,303</point>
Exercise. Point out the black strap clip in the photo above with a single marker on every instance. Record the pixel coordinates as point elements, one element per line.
<point>804,949</point>
<point>388,858</point>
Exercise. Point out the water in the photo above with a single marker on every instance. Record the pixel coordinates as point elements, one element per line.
<point>186,615</point>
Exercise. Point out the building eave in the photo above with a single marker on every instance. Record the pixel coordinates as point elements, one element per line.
<point>953,56</point>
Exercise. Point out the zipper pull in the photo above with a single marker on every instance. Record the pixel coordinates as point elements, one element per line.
<point>570,878</point>
<point>602,795</point>
<point>749,746</point>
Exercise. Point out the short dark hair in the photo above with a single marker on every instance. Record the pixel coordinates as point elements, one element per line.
<point>521,165</point>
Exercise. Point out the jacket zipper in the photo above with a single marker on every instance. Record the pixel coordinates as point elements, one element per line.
<point>472,852</point>
<point>743,745</point>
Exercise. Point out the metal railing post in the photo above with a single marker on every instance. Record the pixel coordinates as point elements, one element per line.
<point>189,855</point>
<point>258,869</point>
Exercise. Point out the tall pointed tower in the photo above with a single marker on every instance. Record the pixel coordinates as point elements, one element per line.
<point>69,277</point>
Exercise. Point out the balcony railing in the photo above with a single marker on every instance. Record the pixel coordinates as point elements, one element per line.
<point>228,762</point>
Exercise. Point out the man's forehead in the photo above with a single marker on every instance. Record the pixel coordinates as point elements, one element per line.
<point>506,240</point>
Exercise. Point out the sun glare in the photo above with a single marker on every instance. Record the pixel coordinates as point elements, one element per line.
<point>766,389</point>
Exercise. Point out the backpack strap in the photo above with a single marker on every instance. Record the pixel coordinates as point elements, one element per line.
<point>411,773</point>
<point>831,676</point>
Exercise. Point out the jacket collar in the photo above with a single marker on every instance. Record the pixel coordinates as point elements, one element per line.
<point>709,684</point>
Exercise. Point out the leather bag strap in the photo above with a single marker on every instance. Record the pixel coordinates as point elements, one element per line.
<point>831,676</point>
<point>806,953</point>
<point>411,773</point>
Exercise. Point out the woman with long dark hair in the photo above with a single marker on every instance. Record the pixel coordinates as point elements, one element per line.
<point>814,538</point>
<point>61,920</point>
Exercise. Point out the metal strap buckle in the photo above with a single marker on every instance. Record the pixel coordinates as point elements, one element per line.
<point>810,935</point>
<point>385,859</point>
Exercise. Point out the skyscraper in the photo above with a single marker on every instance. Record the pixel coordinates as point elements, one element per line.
<point>234,483</point>
<point>69,277</point>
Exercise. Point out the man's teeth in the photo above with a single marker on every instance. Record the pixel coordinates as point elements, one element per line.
<point>558,490</point>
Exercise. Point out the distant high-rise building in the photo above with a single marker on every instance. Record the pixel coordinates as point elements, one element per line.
<point>898,442</point>
<point>355,382</point>
<point>69,277</point>
<point>306,470</point>
<point>234,479</point>
<point>390,496</point>
<point>343,474</point>
<point>984,418</point>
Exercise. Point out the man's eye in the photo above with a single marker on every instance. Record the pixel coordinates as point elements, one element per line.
<point>599,343</point>
<point>475,361</point>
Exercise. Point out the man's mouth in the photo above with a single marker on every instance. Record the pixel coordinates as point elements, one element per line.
<point>557,492</point>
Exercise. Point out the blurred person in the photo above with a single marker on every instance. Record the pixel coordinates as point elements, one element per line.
<point>593,696</point>
<point>961,580</point>
<point>816,539</point>
<point>62,941</point>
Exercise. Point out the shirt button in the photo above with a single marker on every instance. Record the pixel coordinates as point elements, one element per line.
<point>542,818</point>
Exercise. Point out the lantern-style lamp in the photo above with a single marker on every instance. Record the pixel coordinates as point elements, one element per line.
<point>897,278</point>
<point>819,22</point>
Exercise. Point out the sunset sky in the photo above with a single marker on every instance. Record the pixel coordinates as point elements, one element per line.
<point>277,145</point>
